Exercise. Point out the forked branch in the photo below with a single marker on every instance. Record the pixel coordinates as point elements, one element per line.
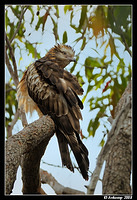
<point>26,149</point>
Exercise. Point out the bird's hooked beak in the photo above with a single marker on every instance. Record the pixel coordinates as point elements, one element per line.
<point>72,60</point>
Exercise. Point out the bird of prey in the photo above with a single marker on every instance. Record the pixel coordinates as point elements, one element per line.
<point>51,90</point>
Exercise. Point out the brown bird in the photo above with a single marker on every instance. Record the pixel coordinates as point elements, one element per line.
<point>49,89</point>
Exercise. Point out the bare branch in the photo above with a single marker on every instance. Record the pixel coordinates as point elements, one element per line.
<point>11,125</point>
<point>116,126</point>
<point>12,57</point>
<point>102,67</point>
<point>23,118</point>
<point>26,149</point>
<point>59,166</point>
<point>110,119</point>
<point>57,187</point>
<point>21,17</point>
<point>11,70</point>
<point>14,76</point>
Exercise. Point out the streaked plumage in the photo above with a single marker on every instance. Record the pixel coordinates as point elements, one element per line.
<point>49,89</point>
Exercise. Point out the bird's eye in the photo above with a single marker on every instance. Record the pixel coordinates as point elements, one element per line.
<point>64,52</point>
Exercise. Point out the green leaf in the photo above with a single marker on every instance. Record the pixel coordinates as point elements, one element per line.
<point>40,21</point>
<point>88,90</point>
<point>20,60</point>
<point>65,37</point>
<point>92,127</point>
<point>80,79</point>
<point>113,47</point>
<point>124,82</point>
<point>119,17</point>
<point>90,63</point>
<point>83,43</point>
<point>83,17</point>
<point>67,8</point>
<point>12,30</point>
<point>16,11</point>
<point>57,11</point>
<point>121,14</point>
<point>74,65</point>
<point>74,27</point>
<point>21,30</point>
<point>32,12</point>
<point>7,20</point>
<point>55,29</point>
<point>102,143</point>
<point>30,48</point>
<point>96,51</point>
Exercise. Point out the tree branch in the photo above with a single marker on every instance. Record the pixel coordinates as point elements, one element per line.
<point>22,114</point>
<point>21,17</point>
<point>11,70</point>
<point>117,173</point>
<point>26,149</point>
<point>13,58</point>
<point>116,126</point>
<point>57,187</point>
<point>14,76</point>
<point>102,67</point>
<point>11,125</point>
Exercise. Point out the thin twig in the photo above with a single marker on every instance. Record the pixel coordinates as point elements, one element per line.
<point>22,113</point>
<point>10,89</point>
<point>23,118</point>
<point>21,17</point>
<point>11,70</point>
<point>90,67</point>
<point>51,164</point>
<point>57,187</point>
<point>11,125</point>
<point>12,57</point>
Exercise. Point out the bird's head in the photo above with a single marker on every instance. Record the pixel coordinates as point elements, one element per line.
<point>61,54</point>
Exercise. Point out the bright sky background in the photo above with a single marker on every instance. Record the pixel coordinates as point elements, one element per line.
<point>52,155</point>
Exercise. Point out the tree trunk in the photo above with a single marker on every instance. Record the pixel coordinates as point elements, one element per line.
<point>116,179</point>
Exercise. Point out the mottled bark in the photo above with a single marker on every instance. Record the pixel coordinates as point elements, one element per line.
<point>114,132</point>
<point>116,179</point>
<point>26,149</point>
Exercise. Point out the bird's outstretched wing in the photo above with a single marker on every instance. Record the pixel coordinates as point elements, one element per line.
<point>55,91</point>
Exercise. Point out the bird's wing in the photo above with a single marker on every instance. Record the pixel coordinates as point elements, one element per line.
<point>63,89</point>
<point>55,92</point>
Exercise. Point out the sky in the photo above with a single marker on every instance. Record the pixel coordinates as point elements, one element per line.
<point>52,155</point>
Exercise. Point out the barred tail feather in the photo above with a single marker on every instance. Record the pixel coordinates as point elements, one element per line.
<point>79,150</point>
<point>80,155</point>
<point>64,151</point>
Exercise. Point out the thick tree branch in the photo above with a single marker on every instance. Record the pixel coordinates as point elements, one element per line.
<point>117,174</point>
<point>26,149</point>
<point>57,187</point>
<point>116,126</point>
